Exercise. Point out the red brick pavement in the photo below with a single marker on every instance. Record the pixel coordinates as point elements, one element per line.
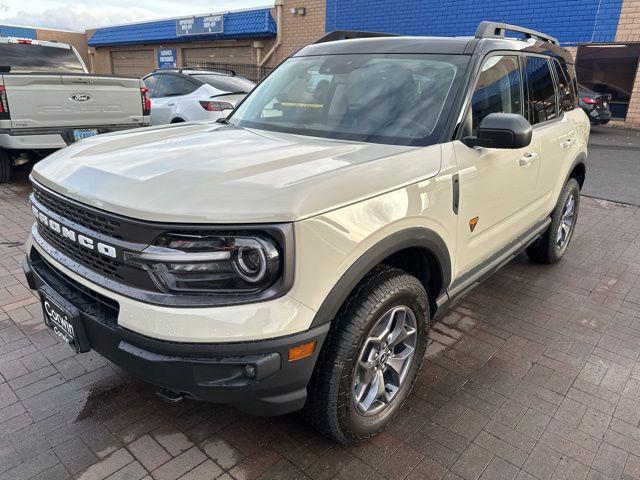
<point>535,375</point>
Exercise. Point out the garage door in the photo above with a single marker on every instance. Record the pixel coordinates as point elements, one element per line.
<point>132,63</point>
<point>221,54</point>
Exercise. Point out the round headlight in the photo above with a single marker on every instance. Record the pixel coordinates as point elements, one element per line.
<point>250,264</point>
<point>201,263</point>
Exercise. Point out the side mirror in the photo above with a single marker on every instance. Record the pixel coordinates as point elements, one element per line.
<point>502,130</point>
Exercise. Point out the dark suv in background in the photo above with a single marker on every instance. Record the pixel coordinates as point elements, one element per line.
<point>595,105</point>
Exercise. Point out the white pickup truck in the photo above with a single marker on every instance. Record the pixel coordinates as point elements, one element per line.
<point>48,100</point>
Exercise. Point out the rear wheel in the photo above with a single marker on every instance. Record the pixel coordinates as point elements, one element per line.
<point>371,358</point>
<point>5,167</point>
<point>553,244</point>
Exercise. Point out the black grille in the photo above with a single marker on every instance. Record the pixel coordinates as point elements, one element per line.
<point>88,219</point>
<point>88,302</point>
<point>100,263</point>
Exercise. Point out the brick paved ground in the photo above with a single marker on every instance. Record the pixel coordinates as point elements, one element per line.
<point>535,375</point>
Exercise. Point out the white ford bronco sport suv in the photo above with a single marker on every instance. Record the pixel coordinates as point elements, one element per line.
<point>295,254</point>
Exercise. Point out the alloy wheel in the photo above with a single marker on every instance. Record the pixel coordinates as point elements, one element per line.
<point>384,360</point>
<point>565,229</point>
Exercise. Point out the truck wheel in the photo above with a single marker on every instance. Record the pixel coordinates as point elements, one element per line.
<point>5,167</point>
<point>371,357</point>
<point>553,244</point>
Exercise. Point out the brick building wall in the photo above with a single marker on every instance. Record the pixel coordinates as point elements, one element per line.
<point>629,31</point>
<point>245,53</point>
<point>300,30</point>
<point>629,24</point>
<point>572,21</point>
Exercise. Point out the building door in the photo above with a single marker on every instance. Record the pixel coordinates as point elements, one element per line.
<point>609,69</point>
<point>132,63</point>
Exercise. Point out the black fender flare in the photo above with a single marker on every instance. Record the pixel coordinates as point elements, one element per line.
<point>412,237</point>
<point>581,159</point>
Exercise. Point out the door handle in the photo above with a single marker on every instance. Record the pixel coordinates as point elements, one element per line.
<point>170,104</point>
<point>527,159</point>
<point>567,143</point>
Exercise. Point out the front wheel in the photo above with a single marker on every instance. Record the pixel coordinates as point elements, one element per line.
<point>553,244</point>
<point>371,358</point>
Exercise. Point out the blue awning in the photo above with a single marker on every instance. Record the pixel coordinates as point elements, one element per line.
<point>246,24</point>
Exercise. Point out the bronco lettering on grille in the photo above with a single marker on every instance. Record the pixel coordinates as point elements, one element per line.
<point>65,232</point>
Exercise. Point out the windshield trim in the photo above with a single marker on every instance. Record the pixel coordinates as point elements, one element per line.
<point>460,61</point>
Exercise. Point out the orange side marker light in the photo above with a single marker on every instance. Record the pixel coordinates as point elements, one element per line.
<point>302,351</point>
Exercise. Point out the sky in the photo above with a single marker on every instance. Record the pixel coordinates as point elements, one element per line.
<point>83,14</point>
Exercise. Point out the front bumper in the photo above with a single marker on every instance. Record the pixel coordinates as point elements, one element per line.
<point>210,372</point>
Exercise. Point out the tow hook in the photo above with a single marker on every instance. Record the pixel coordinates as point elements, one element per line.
<point>169,396</point>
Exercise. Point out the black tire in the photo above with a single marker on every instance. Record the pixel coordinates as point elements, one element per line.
<point>546,249</point>
<point>5,167</point>
<point>331,407</point>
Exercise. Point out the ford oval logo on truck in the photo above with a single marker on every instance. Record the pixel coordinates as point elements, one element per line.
<point>81,97</point>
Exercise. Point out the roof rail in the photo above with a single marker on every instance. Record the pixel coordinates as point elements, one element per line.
<point>351,34</point>
<point>498,30</point>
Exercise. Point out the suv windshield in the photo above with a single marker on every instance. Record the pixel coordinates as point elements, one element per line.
<point>25,57</point>
<point>226,83</point>
<point>395,99</point>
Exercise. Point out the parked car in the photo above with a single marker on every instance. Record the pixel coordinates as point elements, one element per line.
<point>48,100</point>
<point>618,97</point>
<point>595,105</point>
<point>294,254</point>
<point>184,94</point>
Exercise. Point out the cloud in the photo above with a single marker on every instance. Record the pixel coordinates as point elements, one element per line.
<point>77,16</point>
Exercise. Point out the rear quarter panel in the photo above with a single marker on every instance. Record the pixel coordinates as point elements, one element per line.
<point>556,179</point>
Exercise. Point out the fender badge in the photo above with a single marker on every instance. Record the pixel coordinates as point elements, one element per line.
<point>472,223</point>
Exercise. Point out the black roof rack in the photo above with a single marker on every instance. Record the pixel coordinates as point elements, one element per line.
<point>498,30</point>
<point>351,34</point>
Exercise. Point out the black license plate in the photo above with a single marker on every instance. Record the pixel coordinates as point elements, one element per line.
<point>64,319</point>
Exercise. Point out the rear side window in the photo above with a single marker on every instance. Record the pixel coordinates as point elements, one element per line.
<point>499,89</point>
<point>150,83</point>
<point>542,92</point>
<point>26,57</point>
<point>566,89</point>
<point>173,85</point>
<point>226,83</point>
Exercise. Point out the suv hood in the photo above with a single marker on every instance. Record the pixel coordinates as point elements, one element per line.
<point>213,173</point>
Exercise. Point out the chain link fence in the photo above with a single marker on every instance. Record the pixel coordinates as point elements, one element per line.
<point>255,73</point>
